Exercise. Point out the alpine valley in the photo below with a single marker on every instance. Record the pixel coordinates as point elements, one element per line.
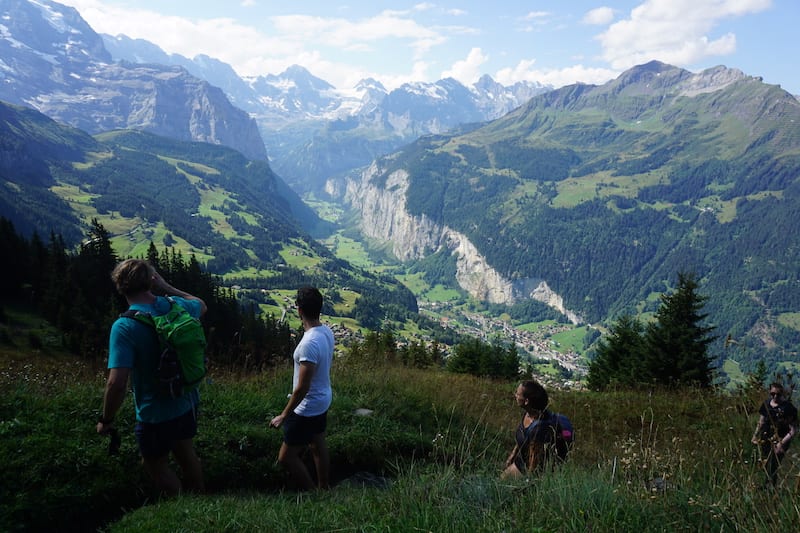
<point>584,202</point>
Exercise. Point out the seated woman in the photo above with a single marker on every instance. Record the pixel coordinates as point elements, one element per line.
<point>542,437</point>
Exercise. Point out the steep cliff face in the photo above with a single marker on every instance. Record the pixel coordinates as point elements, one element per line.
<point>384,217</point>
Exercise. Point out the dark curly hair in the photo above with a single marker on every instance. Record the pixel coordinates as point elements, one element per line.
<point>534,392</point>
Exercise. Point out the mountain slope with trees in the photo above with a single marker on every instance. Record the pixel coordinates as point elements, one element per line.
<point>233,215</point>
<point>606,192</point>
<point>54,175</point>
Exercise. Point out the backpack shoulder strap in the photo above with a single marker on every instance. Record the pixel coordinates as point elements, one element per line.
<point>147,318</point>
<point>175,309</point>
<point>550,421</point>
<point>531,430</point>
<point>144,318</point>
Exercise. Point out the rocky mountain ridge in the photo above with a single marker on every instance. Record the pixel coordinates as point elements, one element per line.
<point>52,60</point>
<point>297,95</point>
<point>314,130</point>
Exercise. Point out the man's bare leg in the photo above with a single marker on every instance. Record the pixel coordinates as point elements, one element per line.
<point>319,450</point>
<point>162,475</point>
<point>191,467</point>
<point>289,457</point>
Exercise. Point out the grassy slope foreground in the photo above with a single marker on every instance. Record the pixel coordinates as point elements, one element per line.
<point>645,461</point>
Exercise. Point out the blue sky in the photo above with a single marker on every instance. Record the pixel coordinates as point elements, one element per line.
<point>556,42</point>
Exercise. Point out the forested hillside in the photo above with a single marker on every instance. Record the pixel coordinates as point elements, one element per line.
<point>233,215</point>
<point>606,192</point>
<point>32,149</point>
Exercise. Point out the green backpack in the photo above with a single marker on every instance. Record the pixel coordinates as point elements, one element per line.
<point>182,364</point>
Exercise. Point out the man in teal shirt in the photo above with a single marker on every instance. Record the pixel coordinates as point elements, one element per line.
<point>163,424</point>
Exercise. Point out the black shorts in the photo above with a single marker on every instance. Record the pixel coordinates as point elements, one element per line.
<point>299,430</point>
<point>157,440</point>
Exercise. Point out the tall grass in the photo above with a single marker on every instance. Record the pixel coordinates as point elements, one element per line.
<point>643,461</point>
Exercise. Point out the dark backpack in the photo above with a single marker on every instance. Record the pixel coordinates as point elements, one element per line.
<point>182,363</point>
<point>553,429</point>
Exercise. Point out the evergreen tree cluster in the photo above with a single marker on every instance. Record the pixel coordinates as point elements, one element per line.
<point>74,292</point>
<point>481,359</point>
<point>381,347</point>
<point>671,350</point>
<point>469,356</point>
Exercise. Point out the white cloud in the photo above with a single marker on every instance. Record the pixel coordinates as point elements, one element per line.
<point>347,34</point>
<point>599,16</point>
<point>673,31</point>
<point>468,70</point>
<point>524,71</point>
<point>239,45</point>
<point>292,39</point>
<point>533,21</point>
<point>419,71</point>
<point>534,15</point>
<point>679,32</point>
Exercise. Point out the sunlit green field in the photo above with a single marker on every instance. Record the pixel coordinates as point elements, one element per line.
<point>570,340</point>
<point>731,368</point>
<point>350,250</point>
<point>535,326</point>
<point>573,191</point>
<point>790,320</point>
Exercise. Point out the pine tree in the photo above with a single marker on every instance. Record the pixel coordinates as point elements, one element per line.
<point>91,269</point>
<point>54,292</point>
<point>466,357</point>
<point>619,356</point>
<point>676,343</point>
<point>91,289</point>
<point>13,273</point>
<point>152,255</point>
<point>509,367</point>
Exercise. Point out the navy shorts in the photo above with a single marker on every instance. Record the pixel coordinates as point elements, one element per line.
<point>157,440</point>
<point>299,430</point>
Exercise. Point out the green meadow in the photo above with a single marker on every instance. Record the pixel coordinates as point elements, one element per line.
<point>427,458</point>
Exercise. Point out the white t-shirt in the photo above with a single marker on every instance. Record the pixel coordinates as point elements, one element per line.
<point>315,347</point>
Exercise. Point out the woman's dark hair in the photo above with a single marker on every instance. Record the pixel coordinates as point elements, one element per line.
<point>535,394</point>
<point>309,300</point>
<point>778,386</point>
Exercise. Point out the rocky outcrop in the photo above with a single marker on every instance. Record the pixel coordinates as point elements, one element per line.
<point>710,80</point>
<point>546,295</point>
<point>384,217</point>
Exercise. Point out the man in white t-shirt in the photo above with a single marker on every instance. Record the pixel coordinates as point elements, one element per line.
<point>304,419</point>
